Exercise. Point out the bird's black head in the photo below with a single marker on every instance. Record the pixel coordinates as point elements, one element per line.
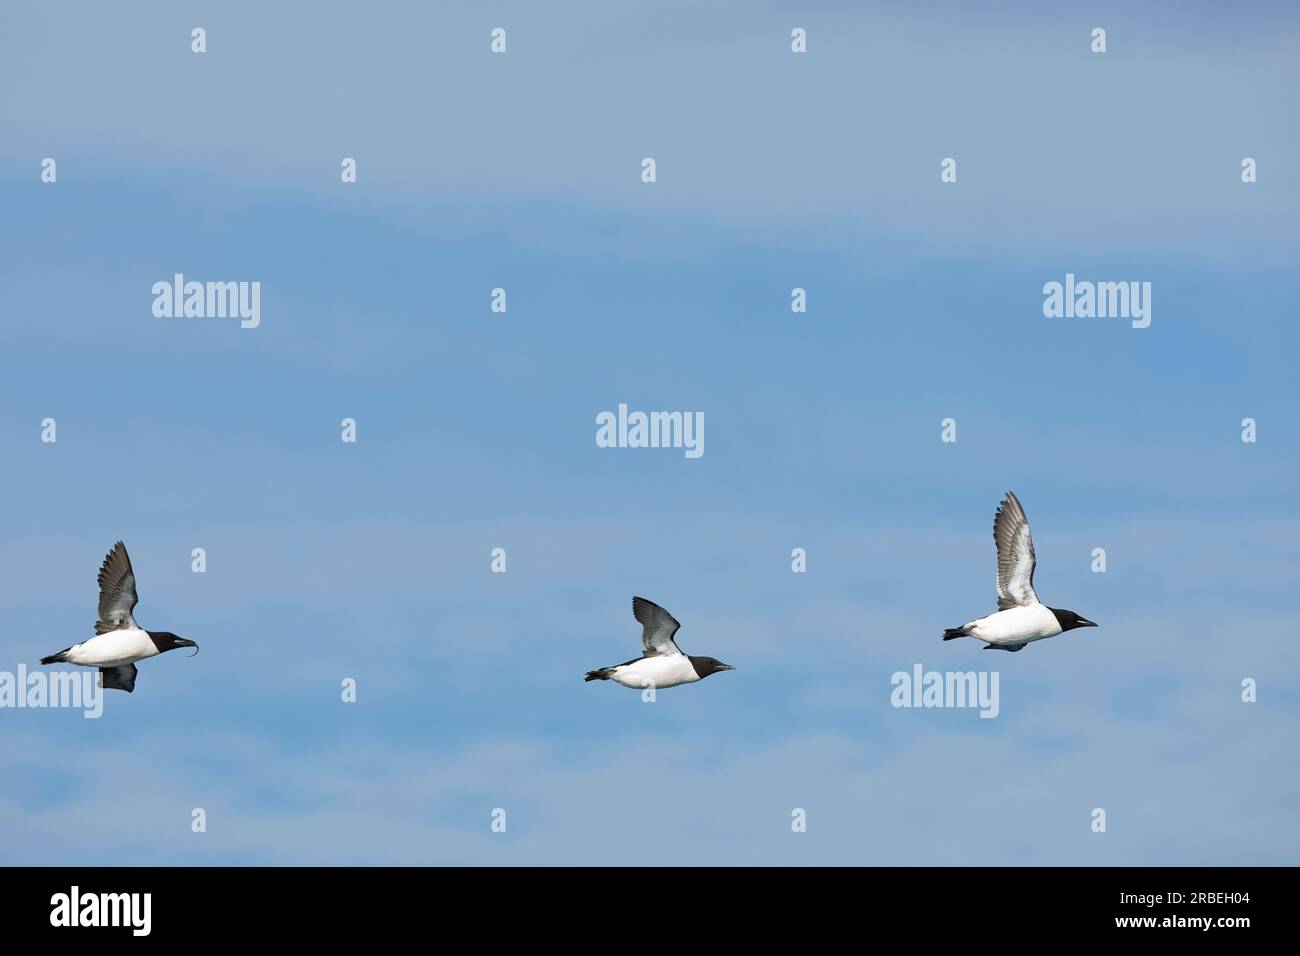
<point>704,666</point>
<point>167,641</point>
<point>1069,620</point>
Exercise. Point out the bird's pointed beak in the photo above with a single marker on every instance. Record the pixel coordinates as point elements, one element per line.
<point>1086,623</point>
<point>728,667</point>
<point>184,642</point>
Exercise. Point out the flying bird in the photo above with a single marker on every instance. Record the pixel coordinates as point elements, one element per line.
<point>1021,617</point>
<point>661,664</point>
<point>118,642</point>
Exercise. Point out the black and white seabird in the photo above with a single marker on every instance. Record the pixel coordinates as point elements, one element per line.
<point>118,642</point>
<point>661,664</point>
<point>1020,618</point>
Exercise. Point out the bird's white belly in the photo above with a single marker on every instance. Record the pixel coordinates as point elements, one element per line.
<point>113,649</point>
<point>1016,625</point>
<point>659,672</point>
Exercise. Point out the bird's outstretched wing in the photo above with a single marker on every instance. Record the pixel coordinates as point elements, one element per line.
<point>1015,555</point>
<point>117,597</point>
<point>118,678</point>
<point>658,628</point>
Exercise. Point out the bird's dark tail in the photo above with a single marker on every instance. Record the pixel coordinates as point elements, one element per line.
<point>953,633</point>
<point>58,658</point>
<point>602,674</point>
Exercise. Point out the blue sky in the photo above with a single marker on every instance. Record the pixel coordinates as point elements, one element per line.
<point>476,430</point>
